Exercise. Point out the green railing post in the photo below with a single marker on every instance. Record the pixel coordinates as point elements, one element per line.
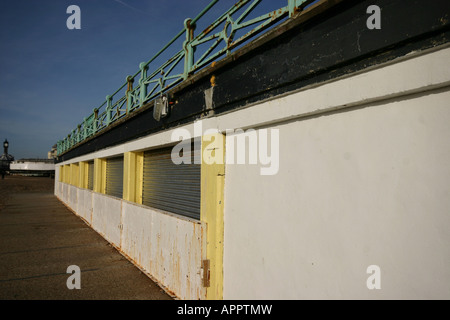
<point>95,123</point>
<point>130,81</point>
<point>143,88</point>
<point>78,136</point>
<point>85,125</point>
<point>188,49</point>
<point>108,109</point>
<point>73,138</point>
<point>292,7</point>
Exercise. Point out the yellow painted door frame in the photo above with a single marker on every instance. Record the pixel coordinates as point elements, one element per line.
<point>133,176</point>
<point>83,177</point>
<point>61,173</point>
<point>67,173</point>
<point>100,175</point>
<point>74,174</point>
<point>212,208</point>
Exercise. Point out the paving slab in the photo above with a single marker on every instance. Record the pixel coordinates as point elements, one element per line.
<point>40,238</point>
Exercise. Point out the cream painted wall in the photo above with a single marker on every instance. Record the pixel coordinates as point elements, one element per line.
<point>361,187</point>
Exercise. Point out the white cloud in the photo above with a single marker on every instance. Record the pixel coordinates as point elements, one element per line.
<point>129,6</point>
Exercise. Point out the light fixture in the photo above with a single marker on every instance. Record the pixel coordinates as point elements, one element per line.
<point>161,108</point>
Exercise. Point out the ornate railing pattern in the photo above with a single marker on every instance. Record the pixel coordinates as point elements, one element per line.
<point>150,85</point>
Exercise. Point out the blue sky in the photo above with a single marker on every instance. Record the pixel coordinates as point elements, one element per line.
<point>52,77</point>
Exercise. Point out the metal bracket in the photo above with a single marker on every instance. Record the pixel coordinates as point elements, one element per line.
<point>206,273</point>
<point>209,102</point>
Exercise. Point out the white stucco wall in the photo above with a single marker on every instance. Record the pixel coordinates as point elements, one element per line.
<point>106,217</point>
<point>85,204</point>
<point>170,248</point>
<point>360,187</point>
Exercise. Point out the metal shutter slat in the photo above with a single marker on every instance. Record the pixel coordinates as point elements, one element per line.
<point>170,187</point>
<point>114,177</point>
<point>91,175</point>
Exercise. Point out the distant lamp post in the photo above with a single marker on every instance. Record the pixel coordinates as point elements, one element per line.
<point>5,159</point>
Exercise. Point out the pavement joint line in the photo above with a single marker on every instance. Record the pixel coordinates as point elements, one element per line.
<point>126,264</point>
<point>56,248</point>
<point>43,276</point>
<point>40,223</point>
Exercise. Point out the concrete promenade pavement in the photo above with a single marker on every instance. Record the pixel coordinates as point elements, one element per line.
<point>40,238</point>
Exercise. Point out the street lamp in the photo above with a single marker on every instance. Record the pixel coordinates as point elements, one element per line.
<point>5,159</point>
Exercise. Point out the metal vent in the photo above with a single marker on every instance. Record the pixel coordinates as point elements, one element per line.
<point>114,177</point>
<point>170,187</point>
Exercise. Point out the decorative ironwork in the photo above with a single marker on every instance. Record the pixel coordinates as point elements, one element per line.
<point>221,38</point>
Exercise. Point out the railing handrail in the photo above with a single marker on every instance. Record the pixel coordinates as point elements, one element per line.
<point>136,97</point>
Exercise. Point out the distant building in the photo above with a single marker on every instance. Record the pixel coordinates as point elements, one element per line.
<point>33,167</point>
<point>52,154</point>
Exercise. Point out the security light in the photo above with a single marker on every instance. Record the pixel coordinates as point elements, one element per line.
<point>161,108</point>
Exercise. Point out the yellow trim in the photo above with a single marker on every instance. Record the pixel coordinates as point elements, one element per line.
<point>75,174</point>
<point>139,176</point>
<point>211,212</point>
<point>132,176</point>
<point>100,175</point>
<point>86,175</point>
<point>83,175</point>
<point>61,173</point>
<point>67,173</point>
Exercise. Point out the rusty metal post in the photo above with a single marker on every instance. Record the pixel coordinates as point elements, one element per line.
<point>143,88</point>
<point>77,138</point>
<point>85,125</point>
<point>292,7</point>
<point>130,81</point>
<point>108,109</point>
<point>95,124</point>
<point>188,49</point>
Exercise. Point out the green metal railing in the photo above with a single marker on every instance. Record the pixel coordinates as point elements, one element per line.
<point>152,84</point>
